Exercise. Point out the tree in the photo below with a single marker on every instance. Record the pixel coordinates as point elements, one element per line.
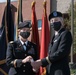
<point>68,22</point>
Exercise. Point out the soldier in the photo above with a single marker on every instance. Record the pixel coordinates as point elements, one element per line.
<point>57,61</point>
<point>17,52</point>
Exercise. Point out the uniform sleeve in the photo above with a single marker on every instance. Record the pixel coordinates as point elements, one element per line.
<point>63,48</point>
<point>10,60</point>
<point>36,52</point>
<point>46,61</point>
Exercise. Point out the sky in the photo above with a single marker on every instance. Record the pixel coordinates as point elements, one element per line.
<point>5,0</point>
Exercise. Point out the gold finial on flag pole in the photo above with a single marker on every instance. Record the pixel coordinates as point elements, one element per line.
<point>44,5</point>
<point>33,3</point>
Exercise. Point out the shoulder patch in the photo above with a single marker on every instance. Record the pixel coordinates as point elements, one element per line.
<point>11,41</point>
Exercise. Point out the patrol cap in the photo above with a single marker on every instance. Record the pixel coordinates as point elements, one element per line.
<point>55,14</point>
<point>24,24</point>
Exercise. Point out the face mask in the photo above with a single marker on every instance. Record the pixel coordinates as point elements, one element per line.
<point>25,35</point>
<point>56,25</point>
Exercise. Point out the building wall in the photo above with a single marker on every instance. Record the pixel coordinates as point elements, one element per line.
<point>26,9</point>
<point>2,7</point>
<point>61,5</point>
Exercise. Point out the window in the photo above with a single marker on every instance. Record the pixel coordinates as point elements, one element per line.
<point>39,24</point>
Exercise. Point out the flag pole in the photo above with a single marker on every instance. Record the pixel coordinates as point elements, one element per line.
<point>45,38</point>
<point>72,32</point>
<point>72,27</point>
<point>6,11</point>
<point>17,21</point>
<point>19,16</point>
<point>35,34</point>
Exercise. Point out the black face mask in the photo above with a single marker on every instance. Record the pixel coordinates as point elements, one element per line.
<point>56,25</point>
<point>25,35</point>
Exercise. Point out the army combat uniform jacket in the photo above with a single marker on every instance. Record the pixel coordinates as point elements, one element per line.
<point>15,51</point>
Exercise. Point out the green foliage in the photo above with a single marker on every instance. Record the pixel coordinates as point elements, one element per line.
<point>68,22</point>
<point>73,71</point>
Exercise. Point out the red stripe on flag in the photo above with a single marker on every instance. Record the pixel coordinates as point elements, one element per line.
<point>35,34</point>
<point>45,38</point>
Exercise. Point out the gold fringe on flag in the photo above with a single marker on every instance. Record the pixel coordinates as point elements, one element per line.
<point>44,5</point>
<point>44,73</point>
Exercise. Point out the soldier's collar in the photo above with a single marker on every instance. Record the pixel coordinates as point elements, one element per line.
<point>23,42</point>
<point>61,30</point>
<point>56,33</point>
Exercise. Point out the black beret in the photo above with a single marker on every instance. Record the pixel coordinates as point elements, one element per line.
<point>55,14</point>
<point>24,24</point>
